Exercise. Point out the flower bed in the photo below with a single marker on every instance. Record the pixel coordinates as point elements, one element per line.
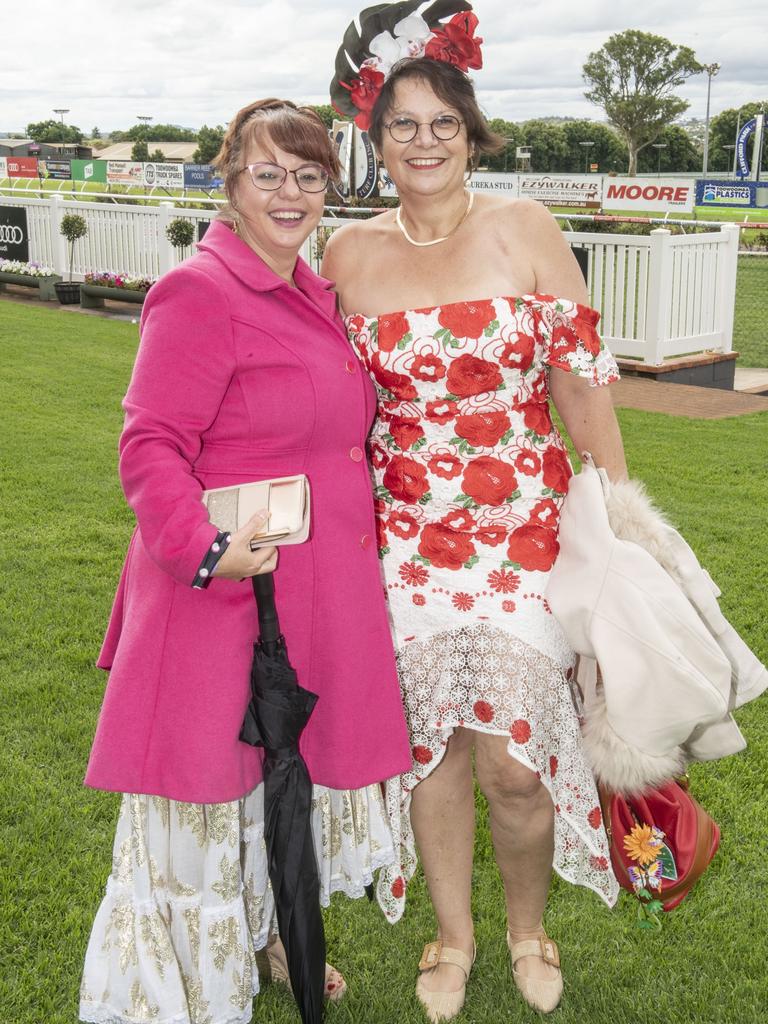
<point>29,275</point>
<point>115,287</point>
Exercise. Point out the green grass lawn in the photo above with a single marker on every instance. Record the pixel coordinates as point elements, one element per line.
<point>65,528</point>
<point>750,324</point>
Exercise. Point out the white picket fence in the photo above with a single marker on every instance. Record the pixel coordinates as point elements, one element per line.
<point>659,296</point>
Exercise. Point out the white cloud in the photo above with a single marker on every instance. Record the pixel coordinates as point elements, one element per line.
<point>190,62</point>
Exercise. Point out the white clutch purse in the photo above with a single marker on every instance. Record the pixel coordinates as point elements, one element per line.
<point>285,498</point>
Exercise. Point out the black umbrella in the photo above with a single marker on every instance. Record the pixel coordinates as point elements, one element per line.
<point>277,713</point>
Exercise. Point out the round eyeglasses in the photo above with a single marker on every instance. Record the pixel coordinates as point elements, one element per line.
<point>444,127</point>
<point>270,177</point>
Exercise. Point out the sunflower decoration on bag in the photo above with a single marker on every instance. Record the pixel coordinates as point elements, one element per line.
<point>385,34</point>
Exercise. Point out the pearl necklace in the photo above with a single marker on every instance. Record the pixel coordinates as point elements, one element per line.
<point>399,222</point>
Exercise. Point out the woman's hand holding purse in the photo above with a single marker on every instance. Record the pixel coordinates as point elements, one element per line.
<point>238,562</point>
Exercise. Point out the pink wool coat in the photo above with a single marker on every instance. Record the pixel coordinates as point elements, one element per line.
<point>240,377</point>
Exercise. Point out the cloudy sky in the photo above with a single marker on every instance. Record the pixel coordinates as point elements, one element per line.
<point>196,62</point>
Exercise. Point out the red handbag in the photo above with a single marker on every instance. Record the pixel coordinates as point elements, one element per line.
<point>667,825</point>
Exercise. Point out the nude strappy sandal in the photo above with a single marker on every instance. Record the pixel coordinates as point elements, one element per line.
<point>440,1006</point>
<point>272,966</point>
<point>542,994</point>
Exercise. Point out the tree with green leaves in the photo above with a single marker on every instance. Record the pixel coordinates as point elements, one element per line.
<point>633,78</point>
<point>140,151</point>
<point>54,131</point>
<point>157,156</point>
<point>722,135</point>
<point>326,113</point>
<point>677,152</point>
<point>607,150</point>
<point>209,142</point>
<point>95,133</point>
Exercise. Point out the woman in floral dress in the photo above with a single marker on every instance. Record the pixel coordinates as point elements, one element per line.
<point>490,324</point>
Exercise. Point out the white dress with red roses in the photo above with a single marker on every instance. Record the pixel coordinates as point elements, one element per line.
<point>470,474</point>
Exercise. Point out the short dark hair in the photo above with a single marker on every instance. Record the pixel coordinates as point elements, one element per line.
<point>297,130</point>
<point>452,86</point>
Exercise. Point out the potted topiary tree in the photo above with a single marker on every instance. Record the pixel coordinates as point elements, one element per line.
<point>180,234</point>
<point>73,226</point>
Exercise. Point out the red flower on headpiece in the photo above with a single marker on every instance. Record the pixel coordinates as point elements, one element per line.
<point>455,43</point>
<point>363,91</point>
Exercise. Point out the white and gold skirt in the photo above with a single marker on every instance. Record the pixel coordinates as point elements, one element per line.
<point>188,902</point>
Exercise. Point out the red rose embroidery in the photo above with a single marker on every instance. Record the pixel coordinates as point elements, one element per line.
<point>463,602</point>
<point>568,332</point>
<point>557,470</point>
<point>537,418</point>
<point>427,367</point>
<point>379,456</point>
<point>491,535</point>
<point>553,766</point>
<point>356,323</point>
<point>406,430</point>
<point>489,481</point>
<point>418,599</point>
<point>533,547</point>
<point>483,429</point>
<point>445,466</point>
<point>396,383</point>
<point>405,479</point>
<point>403,525</point>
<point>528,463</point>
<point>520,731</point>
<point>598,863</point>
<point>595,817</point>
<point>508,606</point>
<point>469,375</point>
<point>483,711</point>
<point>398,888</point>
<point>441,412</point>
<point>445,548</point>
<point>423,755</point>
<point>413,574</point>
<point>503,581</point>
<point>518,355</point>
<point>392,328</point>
<point>459,519</point>
<point>467,319</point>
<point>455,43</point>
<point>546,513</point>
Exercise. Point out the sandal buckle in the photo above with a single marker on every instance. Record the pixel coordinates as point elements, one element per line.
<point>549,951</point>
<point>431,956</point>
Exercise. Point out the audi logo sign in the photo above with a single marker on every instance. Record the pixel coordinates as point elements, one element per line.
<point>11,233</point>
<point>14,233</point>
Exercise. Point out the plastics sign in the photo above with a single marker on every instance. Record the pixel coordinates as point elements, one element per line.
<point>661,194</point>
<point>730,193</point>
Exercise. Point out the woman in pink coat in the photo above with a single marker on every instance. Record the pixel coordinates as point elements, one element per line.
<point>244,372</point>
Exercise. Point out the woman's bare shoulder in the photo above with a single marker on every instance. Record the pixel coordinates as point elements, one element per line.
<point>348,244</point>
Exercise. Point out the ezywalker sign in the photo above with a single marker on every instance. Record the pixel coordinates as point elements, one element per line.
<point>14,236</point>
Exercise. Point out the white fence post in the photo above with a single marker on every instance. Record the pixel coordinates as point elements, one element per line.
<point>58,241</point>
<point>659,295</point>
<point>165,253</point>
<point>725,299</point>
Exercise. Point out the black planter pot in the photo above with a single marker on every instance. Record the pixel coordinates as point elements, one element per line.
<point>67,292</point>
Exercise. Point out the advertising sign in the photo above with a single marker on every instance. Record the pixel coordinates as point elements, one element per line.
<point>576,190</point>
<point>14,235</point>
<point>366,172</point>
<point>198,176</point>
<point>89,170</point>
<point>58,170</point>
<point>742,163</point>
<point>22,166</point>
<point>732,193</point>
<point>125,172</point>
<point>491,181</point>
<point>673,195</point>
<point>164,175</point>
<point>3,168</point>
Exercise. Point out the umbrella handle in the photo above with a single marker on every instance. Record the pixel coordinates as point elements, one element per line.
<point>264,590</point>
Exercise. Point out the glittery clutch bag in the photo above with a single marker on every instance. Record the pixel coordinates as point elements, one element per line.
<point>285,498</point>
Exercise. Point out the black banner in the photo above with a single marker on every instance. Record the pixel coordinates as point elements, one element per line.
<point>14,235</point>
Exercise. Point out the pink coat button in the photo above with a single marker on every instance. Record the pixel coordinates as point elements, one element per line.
<point>365,541</point>
<point>349,366</point>
<point>356,454</point>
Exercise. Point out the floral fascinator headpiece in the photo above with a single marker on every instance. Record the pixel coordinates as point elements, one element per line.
<point>384,34</point>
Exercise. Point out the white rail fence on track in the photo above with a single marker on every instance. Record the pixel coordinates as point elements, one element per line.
<point>659,296</point>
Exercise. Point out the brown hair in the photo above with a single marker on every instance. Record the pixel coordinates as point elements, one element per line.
<point>453,87</point>
<point>297,130</point>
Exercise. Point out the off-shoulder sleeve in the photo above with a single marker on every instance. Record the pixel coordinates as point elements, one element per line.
<point>183,369</point>
<point>568,333</point>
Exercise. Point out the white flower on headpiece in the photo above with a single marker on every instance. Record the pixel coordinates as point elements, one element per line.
<point>411,35</point>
